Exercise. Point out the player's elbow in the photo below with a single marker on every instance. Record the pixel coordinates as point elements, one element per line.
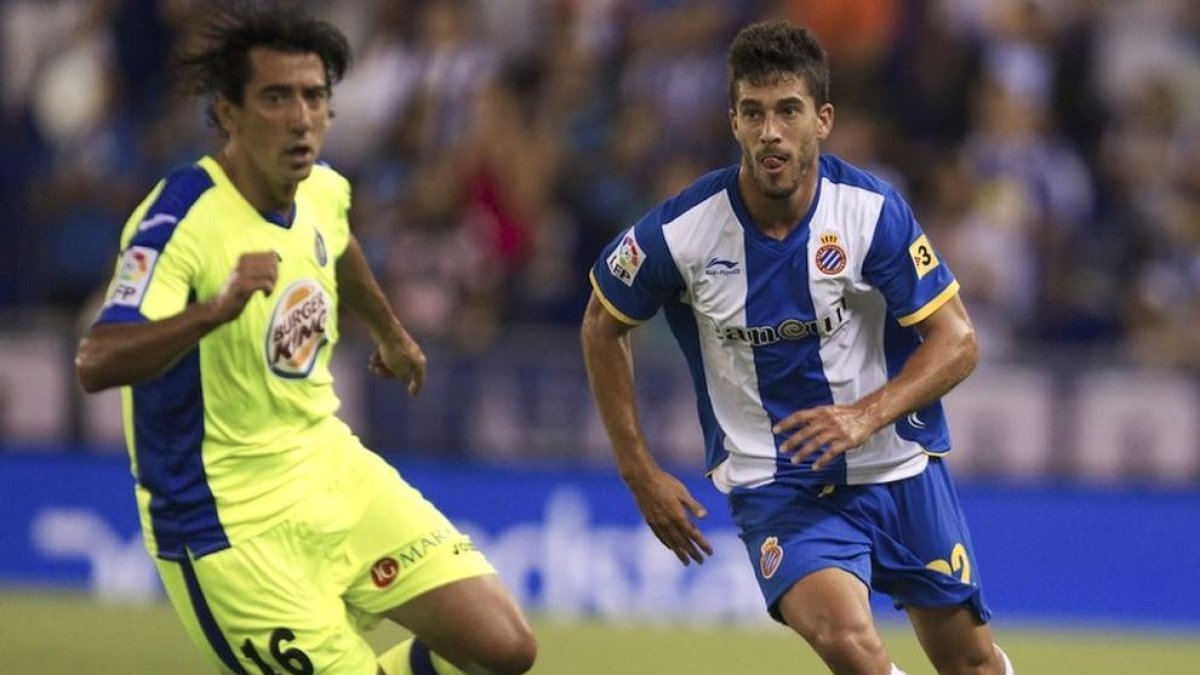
<point>968,351</point>
<point>89,370</point>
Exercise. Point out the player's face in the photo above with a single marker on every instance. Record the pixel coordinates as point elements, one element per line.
<point>779,127</point>
<point>284,114</point>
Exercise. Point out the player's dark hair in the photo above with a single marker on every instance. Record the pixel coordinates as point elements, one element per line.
<point>763,52</point>
<point>220,66</point>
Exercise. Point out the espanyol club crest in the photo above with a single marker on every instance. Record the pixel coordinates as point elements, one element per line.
<point>772,555</point>
<point>831,257</point>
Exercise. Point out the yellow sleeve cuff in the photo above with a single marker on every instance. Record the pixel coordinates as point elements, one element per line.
<point>931,306</point>
<point>620,316</point>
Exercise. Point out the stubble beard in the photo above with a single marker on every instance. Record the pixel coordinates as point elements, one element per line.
<point>781,188</point>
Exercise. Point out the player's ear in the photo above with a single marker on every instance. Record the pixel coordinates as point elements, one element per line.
<point>824,121</point>
<point>223,112</point>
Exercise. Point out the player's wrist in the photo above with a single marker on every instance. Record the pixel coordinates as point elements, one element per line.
<point>210,315</point>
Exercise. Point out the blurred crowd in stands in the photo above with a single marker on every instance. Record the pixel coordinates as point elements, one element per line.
<point>1051,148</point>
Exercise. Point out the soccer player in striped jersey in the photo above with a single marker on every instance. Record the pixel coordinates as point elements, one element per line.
<point>821,329</point>
<point>277,535</point>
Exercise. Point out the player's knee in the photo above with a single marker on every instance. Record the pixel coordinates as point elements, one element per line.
<point>513,653</point>
<point>854,643</point>
<point>969,662</point>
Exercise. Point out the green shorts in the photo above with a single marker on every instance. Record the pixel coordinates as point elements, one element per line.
<point>295,598</point>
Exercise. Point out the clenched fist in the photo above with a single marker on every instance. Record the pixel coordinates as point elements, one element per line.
<point>254,272</point>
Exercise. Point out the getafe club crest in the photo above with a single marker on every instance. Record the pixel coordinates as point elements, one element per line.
<point>772,555</point>
<point>297,329</point>
<point>831,257</point>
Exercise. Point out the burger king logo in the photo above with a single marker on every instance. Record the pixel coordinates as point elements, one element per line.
<point>297,329</point>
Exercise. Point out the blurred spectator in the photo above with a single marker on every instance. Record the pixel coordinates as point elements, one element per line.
<point>1049,146</point>
<point>441,276</point>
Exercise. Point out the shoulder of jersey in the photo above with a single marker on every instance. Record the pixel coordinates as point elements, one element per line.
<point>181,189</point>
<point>839,171</point>
<point>702,189</point>
<point>326,176</point>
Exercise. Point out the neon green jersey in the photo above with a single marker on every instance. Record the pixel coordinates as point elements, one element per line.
<point>221,442</point>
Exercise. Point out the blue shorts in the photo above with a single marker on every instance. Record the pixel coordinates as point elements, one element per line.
<point>907,539</point>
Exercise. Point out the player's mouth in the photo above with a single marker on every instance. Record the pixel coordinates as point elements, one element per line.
<point>300,154</point>
<point>773,163</point>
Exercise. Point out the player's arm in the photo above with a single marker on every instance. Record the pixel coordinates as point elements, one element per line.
<point>120,354</point>
<point>947,354</point>
<point>663,500</point>
<point>396,353</point>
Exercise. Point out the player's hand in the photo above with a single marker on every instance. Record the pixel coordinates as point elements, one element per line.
<point>402,359</point>
<point>667,507</point>
<point>832,429</point>
<point>254,272</point>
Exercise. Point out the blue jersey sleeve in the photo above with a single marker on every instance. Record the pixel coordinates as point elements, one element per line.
<point>636,273</point>
<point>904,265</point>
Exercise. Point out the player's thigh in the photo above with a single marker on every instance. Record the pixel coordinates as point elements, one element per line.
<point>472,620</point>
<point>254,608</point>
<point>793,532</point>
<point>924,557</point>
<point>952,637</point>
<point>828,601</point>
<point>418,569</point>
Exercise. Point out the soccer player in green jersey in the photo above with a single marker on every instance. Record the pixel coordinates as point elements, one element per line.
<point>278,536</point>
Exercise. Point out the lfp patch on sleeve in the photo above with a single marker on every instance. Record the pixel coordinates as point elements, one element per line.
<point>137,266</point>
<point>923,257</point>
<point>626,259</point>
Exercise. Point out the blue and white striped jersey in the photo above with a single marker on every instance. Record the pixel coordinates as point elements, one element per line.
<point>770,327</point>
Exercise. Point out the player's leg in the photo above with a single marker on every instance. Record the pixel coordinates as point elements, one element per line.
<point>957,642</point>
<point>258,607</point>
<point>812,560</point>
<point>472,623</point>
<point>925,560</point>
<point>830,610</point>
<point>415,568</point>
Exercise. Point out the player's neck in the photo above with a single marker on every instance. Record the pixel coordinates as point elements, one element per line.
<point>777,217</point>
<point>263,194</point>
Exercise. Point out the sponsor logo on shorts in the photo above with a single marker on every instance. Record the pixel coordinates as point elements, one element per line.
<point>384,572</point>
<point>625,260</point>
<point>386,569</point>
<point>416,551</point>
<point>830,257</point>
<point>772,555</point>
<point>297,330</point>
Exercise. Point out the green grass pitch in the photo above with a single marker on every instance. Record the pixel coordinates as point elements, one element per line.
<point>69,633</point>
